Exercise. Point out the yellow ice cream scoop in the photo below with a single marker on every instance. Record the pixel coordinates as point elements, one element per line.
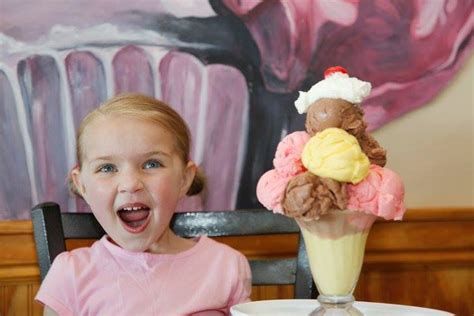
<point>333,153</point>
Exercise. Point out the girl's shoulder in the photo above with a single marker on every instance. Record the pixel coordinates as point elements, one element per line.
<point>211,247</point>
<point>81,256</point>
<point>218,261</point>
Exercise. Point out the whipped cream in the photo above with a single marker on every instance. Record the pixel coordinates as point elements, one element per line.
<point>338,85</point>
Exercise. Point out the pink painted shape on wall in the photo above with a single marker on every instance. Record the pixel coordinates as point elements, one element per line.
<point>182,88</point>
<point>224,135</point>
<point>15,188</point>
<point>86,83</point>
<point>40,86</point>
<point>132,71</point>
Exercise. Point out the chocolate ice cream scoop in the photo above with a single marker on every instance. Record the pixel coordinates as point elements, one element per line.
<point>376,154</point>
<point>325,113</point>
<point>308,196</point>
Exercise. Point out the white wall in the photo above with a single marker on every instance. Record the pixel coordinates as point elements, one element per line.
<point>432,147</point>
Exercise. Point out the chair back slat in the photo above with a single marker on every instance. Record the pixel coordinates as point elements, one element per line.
<point>81,226</point>
<point>232,223</point>
<point>49,234</point>
<point>52,228</point>
<point>273,271</point>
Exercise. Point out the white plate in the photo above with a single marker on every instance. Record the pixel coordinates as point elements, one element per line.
<point>305,307</point>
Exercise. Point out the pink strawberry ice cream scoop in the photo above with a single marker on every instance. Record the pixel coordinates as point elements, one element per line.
<point>380,193</point>
<point>271,190</point>
<point>288,154</point>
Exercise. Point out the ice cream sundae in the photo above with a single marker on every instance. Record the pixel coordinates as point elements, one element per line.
<point>333,181</point>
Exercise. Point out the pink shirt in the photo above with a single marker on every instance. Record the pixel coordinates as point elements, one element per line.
<point>107,280</point>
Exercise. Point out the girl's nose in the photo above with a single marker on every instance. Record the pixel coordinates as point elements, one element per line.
<point>130,182</point>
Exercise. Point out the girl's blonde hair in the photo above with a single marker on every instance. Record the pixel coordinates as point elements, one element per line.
<point>152,110</point>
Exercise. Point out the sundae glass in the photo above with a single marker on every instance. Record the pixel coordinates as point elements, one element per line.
<point>335,245</point>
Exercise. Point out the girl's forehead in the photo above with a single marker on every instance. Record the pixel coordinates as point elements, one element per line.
<point>112,130</point>
<point>112,121</point>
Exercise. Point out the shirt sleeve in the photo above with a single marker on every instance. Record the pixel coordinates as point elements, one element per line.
<point>243,288</point>
<point>57,289</point>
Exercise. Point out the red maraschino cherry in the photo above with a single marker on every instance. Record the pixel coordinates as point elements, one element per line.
<point>332,70</point>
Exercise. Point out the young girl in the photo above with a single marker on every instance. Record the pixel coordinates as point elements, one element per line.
<point>133,168</point>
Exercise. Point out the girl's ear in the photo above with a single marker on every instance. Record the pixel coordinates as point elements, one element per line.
<point>77,184</point>
<point>188,178</point>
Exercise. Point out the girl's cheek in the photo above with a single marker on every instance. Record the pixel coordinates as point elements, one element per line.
<point>100,185</point>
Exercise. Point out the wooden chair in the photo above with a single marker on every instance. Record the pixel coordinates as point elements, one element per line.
<point>52,228</point>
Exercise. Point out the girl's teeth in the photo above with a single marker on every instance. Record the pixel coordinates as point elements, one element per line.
<point>135,208</point>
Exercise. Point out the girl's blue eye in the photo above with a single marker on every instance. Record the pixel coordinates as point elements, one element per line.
<point>107,168</point>
<point>150,164</point>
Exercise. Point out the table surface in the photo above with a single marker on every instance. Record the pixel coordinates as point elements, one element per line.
<point>305,307</point>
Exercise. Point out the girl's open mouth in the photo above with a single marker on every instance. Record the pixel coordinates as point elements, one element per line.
<point>134,218</point>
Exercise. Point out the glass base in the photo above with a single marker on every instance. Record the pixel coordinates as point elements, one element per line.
<point>336,306</point>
